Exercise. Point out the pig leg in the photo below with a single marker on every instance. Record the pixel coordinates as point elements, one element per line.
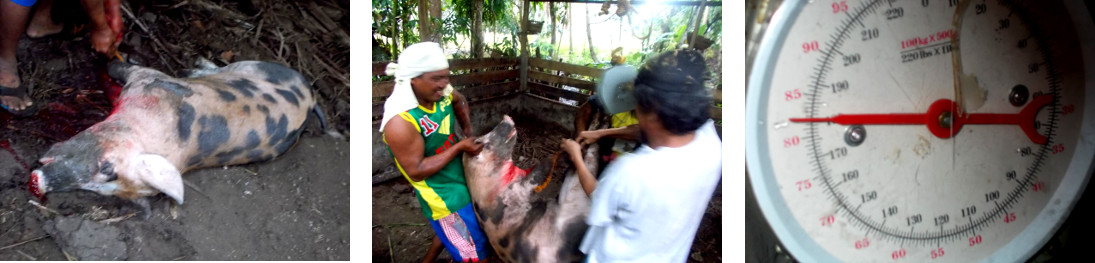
<point>125,72</point>
<point>204,68</point>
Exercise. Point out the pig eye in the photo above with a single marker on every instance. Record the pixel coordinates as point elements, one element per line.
<point>107,168</point>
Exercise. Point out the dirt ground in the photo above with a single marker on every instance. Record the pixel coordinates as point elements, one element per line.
<point>401,233</point>
<point>295,207</point>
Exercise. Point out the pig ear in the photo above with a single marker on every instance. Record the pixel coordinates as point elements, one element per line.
<point>156,171</point>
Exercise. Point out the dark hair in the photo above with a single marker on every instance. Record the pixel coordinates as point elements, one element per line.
<point>671,84</point>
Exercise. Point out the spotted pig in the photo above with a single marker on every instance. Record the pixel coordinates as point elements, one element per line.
<point>522,223</point>
<point>162,127</point>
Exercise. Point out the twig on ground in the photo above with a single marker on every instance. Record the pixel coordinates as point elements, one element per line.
<point>391,250</point>
<point>184,2</point>
<point>25,255</point>
<point>195,188</point>
<point>337,74</point>
<point>23,242</point>
<point>40,206</point>
<point>68,256</point>
<point>117,219</point>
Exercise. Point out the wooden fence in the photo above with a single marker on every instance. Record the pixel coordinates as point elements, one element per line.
<point>480,79</point>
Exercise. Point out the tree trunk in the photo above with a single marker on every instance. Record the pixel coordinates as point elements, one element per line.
<point>570,29</point>
<point>395,30</point>
<point>523,37</point>
<point>435,15</point>
<point>589,36</point>
<point>551,12</point>
<point>696,28</point>
<point>477,30</point>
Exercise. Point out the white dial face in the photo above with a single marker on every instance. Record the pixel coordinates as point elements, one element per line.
<point>922,130</point>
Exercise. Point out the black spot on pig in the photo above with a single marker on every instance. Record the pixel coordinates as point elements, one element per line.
<point>263,109</point>
<point>226,95</point>
<point>573,231</point>
<point>504,241</point>
<point>276,73</point>
<point>186,119</point>
<point>253,140</point>
<point>296,89</point>
<point>269,98</point>
<point>289,140</point>
<point>194,160</point>
<point>255,155</point>
<point>523,251</point>
<point>214,132</point>
<point>107,168</point>
<point>74,161</point>
<point>172,87</point>
<point>224,157</point>
<point>244,86</point>
<point>289,96</point>
<point>276,131</point>
<point>495,215</point>
<point>247,109</point>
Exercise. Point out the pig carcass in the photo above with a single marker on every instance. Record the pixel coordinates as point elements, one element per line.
<point>522,223</point>
<point>162,127</point>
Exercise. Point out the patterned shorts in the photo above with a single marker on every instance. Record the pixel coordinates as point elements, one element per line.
<point>461,235</point>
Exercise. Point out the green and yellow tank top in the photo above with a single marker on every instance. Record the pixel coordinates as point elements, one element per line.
<point>446,191</point>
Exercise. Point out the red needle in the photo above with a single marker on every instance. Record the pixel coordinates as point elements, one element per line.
<point>940,118</point>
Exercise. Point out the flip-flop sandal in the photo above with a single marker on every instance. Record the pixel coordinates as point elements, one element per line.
<point>20,92</point>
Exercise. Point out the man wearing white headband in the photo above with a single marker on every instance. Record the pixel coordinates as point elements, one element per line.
<point>419,129</point>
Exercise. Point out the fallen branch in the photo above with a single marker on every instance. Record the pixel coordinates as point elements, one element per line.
<point>25,255</point>
<point>337,74</point>
<point>40,206</point>
<point>24,242</point>
<point>159,45</point>
<point>195,188</point>
<point>117,219</point>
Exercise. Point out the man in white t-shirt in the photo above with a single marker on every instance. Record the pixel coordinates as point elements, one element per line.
<point>648,204</point>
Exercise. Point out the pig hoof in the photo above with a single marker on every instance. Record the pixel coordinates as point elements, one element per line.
<point>146,208</point>
<point>203,63</point>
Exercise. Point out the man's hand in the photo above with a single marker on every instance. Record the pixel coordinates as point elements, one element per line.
<point>572,148</point>
<point>469,146</point>
<point>588,137</point>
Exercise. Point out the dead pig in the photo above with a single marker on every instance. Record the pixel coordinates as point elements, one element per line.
<point>522,224</point>
<point>162,127</point>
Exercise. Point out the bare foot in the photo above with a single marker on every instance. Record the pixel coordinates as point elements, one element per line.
<point>42,25</point>
<point>102,40</point>
<point>9,78</point>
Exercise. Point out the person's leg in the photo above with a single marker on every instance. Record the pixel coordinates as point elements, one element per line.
<point>102,36</point>
<point>41,24</point>
<point>435,249</point>
<point>13,20</point>
<point>478,238</point>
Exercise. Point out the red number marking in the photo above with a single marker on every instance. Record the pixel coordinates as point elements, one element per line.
<point>1009,218</point>
<point>898,254</point>
<point>975,240</point>
<point>862,244</point>
<point>828,220</point>
<point>842,6</point>
<point>803,185</point>
<point>810,46</point>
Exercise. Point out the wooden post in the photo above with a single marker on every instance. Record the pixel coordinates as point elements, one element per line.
<point>524,45</point>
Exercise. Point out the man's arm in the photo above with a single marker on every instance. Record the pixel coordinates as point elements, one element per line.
<point>408,149</point>
<point>584,176</point>
<point>460,107</point>
<point>631,132</point>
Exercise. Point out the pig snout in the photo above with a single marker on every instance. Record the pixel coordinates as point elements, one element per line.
<point>37,184</point>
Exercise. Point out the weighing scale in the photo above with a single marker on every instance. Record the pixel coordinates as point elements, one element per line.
<point>921,130</point>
